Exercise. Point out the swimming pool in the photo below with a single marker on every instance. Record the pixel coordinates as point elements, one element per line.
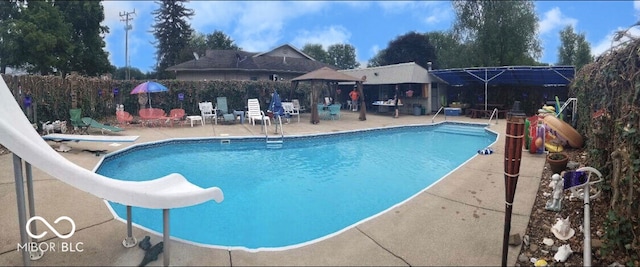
<point>311,188</point>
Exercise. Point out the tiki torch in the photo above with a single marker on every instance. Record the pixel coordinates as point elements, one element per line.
<point>512,156</point>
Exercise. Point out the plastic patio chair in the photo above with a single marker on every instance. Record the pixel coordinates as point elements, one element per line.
<point>75,115</point>
<point>103,127</point>
<point>334,111</point>
<point>124,117</point>
<point>207,111</point>
<point>221,105</point>
<point>254,113</point>
<point>289,109</point>
<point>175,115</point>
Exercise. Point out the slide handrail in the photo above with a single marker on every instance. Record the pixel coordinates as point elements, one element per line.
<point>171,191</point>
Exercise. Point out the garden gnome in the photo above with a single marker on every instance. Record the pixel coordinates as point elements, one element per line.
<point>558,186</point>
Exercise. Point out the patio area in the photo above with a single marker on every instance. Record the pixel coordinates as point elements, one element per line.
<point>458,221</point>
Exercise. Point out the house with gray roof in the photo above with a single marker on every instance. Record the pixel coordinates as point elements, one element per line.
<point>282,63</point>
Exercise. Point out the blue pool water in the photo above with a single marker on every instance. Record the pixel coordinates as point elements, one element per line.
<point>310,188</point>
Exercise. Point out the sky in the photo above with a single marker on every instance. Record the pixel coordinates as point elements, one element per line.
<point>259,26</point>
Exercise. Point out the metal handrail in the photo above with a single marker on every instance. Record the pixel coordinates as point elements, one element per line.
<point>277,122</point>
<point>574,110</point>
<point>434,116</point>
<point>494,112</point>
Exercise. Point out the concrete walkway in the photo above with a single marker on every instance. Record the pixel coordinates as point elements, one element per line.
<point>458,221</point>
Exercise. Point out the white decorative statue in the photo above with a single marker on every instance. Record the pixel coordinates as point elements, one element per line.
<point>562,229</point>
<point>557,183</point>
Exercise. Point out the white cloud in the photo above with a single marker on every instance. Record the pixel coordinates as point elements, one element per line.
<point>606,43</point>
<point>554,19</point>
<point>326,37</point>
<point>374,50</point>
<point>430,12</point>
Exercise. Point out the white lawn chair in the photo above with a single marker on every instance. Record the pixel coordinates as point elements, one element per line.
<point>254,113</point>
<point>297,106</point>
<point>207,111</point>
<point>289,109</point>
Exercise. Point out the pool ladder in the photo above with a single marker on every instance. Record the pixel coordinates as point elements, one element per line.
<point>274,141</point>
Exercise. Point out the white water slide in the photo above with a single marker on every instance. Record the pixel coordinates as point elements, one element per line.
<point>171,191</point>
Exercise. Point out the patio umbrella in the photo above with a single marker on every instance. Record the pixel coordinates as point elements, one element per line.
<point>149,87</point>
<point>276,104</point>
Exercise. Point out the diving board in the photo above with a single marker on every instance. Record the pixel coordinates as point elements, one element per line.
<point>90,138</point>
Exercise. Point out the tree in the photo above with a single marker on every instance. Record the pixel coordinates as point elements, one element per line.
<point>450,52</point>
<point>9,13</point>
<point>410,47</point>
<point>574,49</point>
<point>500,32</point>
<point>316,52</point>
<point>219,40</point>
<point>200,43</point>
<point>134,73</point>
<point>172,33</point>
<point>88,56</point>
<point>42,38</point>
<point>342,56</point>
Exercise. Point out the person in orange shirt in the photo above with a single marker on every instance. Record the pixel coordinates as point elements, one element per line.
<point>354,98</point>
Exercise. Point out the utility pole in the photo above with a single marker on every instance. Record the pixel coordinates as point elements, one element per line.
<point>125,16</point>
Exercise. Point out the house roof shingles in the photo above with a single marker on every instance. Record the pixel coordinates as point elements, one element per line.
<point>241,60</point>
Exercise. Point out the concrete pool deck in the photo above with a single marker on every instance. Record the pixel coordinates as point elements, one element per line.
<point>458,221</point>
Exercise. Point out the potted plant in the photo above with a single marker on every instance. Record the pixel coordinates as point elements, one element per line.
<point>557,161</point>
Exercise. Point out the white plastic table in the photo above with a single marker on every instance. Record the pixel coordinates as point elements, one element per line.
<point>195,118</point>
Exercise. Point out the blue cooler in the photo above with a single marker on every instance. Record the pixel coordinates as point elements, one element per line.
<point>452,111</point>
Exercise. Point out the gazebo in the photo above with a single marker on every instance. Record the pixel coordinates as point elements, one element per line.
<point>327,76</point>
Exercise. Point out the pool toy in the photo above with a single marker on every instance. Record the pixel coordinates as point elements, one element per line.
<point>558,108</point>
<point>553,147</point>
<point>485,151</point>
<point>564,131</point>
<point>535,131</point>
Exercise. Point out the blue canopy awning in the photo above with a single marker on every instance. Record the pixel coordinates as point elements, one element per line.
<point>544,76</point>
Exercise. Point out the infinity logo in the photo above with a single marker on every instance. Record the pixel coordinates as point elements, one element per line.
<point>73,227</point>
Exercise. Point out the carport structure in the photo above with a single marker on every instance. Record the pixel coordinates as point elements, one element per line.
<point>542,76</point>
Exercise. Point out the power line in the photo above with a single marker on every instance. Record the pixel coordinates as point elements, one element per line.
<point>125,16</point>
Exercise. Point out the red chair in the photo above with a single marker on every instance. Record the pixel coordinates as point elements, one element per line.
<point>151,115</point>
<point>123,117</point>
<point>175,115</point>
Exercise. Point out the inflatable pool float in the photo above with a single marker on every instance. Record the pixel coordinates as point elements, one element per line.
<point>553,147</point>
<point>564,131</point>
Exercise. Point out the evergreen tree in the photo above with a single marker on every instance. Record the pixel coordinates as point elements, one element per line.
<point>172,33</point>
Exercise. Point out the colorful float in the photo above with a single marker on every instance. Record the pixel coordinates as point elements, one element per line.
<point>546,132</point>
